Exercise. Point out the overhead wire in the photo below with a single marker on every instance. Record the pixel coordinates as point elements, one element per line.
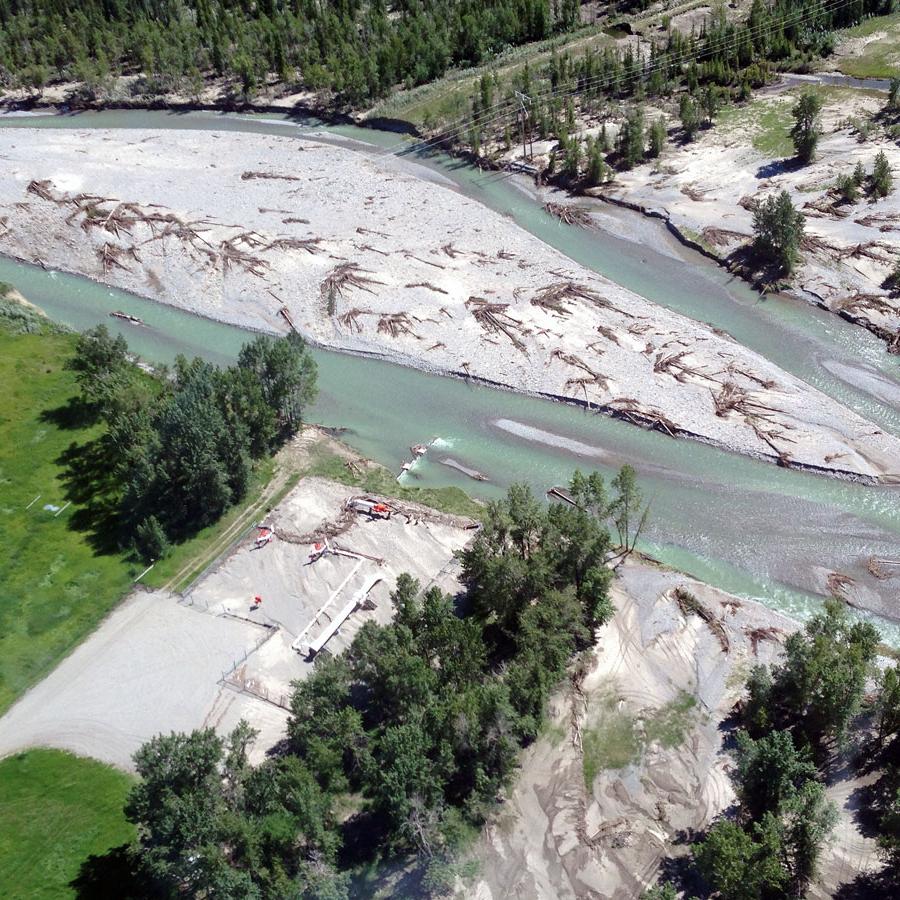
<point>485,119</point>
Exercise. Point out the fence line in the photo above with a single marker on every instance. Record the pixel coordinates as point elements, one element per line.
<point>219,558</point>
<point>271,631</point>
<point>282,701</point>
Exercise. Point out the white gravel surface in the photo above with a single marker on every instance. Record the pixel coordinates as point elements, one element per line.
<point>150,668</point>
<point>157,665</point>
<point>436,262</point>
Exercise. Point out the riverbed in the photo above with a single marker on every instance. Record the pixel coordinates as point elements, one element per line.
<point>741,524</point>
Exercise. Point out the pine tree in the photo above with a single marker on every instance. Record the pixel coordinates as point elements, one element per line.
<point>631,139</point>
<point>807,126</point>
<point>658,137</point>
<point>778,230</point>
<point>882,179</point>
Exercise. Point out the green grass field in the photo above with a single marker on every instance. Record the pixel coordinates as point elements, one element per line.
<point>768,121</point>
<point>879,58</point>
<point>56,810</point>
<point>54,587</point>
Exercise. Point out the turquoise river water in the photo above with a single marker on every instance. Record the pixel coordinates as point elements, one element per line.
<point>747,526</point>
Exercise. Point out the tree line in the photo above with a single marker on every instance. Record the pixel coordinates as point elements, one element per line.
<point>399,748</point>
<point>358,50</point>
<point>178,447</point>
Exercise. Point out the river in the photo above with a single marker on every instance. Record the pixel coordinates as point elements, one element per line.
<point>744,525</point>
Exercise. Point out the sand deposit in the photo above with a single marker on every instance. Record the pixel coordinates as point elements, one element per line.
<point>655,697</point>
<point>707,190</point>
<point>363,255</point>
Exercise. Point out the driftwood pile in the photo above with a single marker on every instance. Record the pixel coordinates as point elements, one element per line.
<point>591,377</point>
<point>694,193</point>
<point>120,218</point>
<point>883,568</point>
<point>396,324</point>
<point>885,221</point>
<point>350,319</point>
<point>838,583</point>
<point>676,365</point>
<point>274,176</point>
<point>721,237</point>
<point>342,277</point>
<point>767,633</point>
<point>635,412</point>
<point>690,605</point>
<point>875,302</point>
<point>761,418</point>
<point>110,256</point>
<point>428,285</point>
<point>231,254</point>
<point>830,204</point>
<point>554,296</point>
<point>570,215</point>
<point>494,318</point>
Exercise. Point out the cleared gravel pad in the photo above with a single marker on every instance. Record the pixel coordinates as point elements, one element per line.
<point>162,663</point>
<point>152,667</point>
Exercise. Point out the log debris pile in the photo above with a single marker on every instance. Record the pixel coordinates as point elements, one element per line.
<point>570,215</point>
<point>639,414</point>
<point>554,297</point>
<point>690,605</point>
<point>342,277</point>
<point>396,324</point>
<point>759,416</point>
<point>494,319</point>
<point>273,176</point>
<point>121,219</point>
<point>590,376</point>
<point>721,237</point>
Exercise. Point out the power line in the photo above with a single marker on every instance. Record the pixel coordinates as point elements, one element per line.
<point>485,119</point>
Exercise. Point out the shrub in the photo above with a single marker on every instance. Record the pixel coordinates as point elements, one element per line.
<point>847,187</point>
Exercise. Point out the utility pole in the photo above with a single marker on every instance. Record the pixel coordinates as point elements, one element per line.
<point>524,103</point>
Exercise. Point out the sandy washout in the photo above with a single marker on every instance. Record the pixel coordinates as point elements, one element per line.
<point>635,761</point>
<point>363,256</point>
<point>707,190</point>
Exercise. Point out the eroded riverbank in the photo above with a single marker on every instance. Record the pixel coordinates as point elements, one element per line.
<point>756,530</point>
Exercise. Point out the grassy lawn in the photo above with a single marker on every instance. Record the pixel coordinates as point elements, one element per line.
<point>55,588</point>
<point>670,724</point>
<point>879,58</point>
<point>614,740</point>
<point>768,122</point>
<point>56,810</point>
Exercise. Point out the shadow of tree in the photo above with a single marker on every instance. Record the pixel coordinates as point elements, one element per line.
<point>114,875</point>
<point>75,414</point>
<point>681,872</point>
<point>779,167</point>
<point>869,886</point>
<point>89,481</point>
<point>762,273</point>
